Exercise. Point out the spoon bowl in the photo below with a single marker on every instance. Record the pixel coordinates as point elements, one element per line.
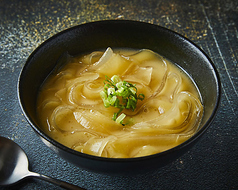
<point>14,166</point>
<point>13,162</point>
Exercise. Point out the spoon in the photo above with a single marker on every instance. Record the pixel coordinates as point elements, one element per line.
<point>14,166</point>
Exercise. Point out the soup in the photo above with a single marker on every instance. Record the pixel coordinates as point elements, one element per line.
<point>119,103</point>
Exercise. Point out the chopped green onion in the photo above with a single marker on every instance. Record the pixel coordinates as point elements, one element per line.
<point>119,84</point>
<point>120,118</point>
<point>116,79</point>
<point>133,90</point>
<point>120,94</point>
<point>103,95</point>
<point>112,100</point>
<point>110,91</point>
<point>106,103</point>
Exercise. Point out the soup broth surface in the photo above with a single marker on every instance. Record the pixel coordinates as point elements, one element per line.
<point>72,111</point>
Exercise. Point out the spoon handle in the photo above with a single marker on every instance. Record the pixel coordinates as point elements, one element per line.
<point>55,181</point>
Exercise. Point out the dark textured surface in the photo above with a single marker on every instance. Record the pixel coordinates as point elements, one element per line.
<point>212,24</point>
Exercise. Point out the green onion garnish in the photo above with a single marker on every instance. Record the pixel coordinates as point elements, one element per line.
<point>120,94</point>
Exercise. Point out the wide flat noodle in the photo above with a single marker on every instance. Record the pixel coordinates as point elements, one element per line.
<point>135,145</point>
<point>85,90</point>
<point>183,117</point>
<point>96,121</point>
<point>146,58</point>
<point>96,146</point>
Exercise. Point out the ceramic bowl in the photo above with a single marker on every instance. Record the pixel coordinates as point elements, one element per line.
<point>127,34</point>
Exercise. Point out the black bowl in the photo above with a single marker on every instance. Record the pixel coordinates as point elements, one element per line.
<point>118,33</point>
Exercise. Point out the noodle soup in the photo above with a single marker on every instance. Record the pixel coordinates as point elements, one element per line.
<point>73,112</point>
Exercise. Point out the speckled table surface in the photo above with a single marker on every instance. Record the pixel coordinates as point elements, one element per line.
<point>212,24</point>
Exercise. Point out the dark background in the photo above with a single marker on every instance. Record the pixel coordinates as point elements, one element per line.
<point>212,24</point>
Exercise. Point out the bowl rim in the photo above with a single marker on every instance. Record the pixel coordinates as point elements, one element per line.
<point>92,157</point>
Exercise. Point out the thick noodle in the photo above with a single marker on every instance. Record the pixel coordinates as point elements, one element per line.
<point>72,111</point>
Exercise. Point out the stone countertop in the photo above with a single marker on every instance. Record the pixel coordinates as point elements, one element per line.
<point>212,24</point>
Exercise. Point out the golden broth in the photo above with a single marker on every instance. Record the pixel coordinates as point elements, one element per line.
<point>72,111</point>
